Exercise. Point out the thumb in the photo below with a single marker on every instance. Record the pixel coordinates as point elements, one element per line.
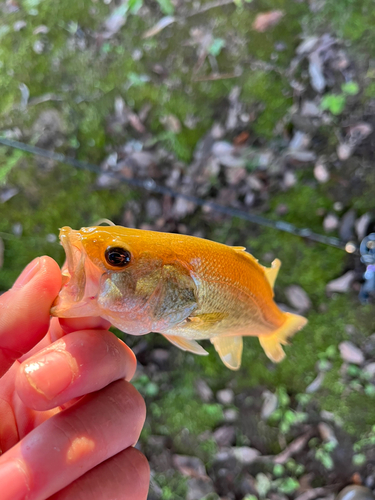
<point>24,309</point>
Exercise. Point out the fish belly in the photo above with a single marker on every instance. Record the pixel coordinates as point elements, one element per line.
<point>220,311</point>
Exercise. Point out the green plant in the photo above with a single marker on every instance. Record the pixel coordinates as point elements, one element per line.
<point>263,484</point>
<point>145,386</point>
<point>283,415</point>
<point>359,459</point>
<point>335,103</point>
<point>216,46</point>
<point>323,452</point>
<point>350,88</point>
<point>166,7</point>
<point>9,163</point>
<point>135,5</point>
<point>370,390</point>
<point>368,440</point>
<point>240,3</point>
<point>287,485</point>
<point>324,458</point>
<point>278,470</point>
<point>360,380</point>
<point>172,485</point>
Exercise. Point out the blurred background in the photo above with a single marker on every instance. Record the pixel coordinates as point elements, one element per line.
<point>263,105</point>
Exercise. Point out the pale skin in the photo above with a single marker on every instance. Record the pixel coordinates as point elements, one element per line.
<point>68,415</point>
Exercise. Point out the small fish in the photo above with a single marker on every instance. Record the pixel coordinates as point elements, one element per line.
<point>185,288</point>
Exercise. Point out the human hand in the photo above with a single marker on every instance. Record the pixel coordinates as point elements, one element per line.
<point>68,415</point>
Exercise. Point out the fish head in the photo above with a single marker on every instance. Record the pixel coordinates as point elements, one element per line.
<point>108,272</point>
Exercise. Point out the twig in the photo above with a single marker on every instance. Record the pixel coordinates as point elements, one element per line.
<point>168,20</point>
<point>295,447</point>
<point>214,76</point>
<point>150,185</point>
<point>209,6</point>
<point>315,492</point>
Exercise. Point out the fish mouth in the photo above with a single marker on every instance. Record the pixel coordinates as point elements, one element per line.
<point>73,299</point>
<point>72,244</point>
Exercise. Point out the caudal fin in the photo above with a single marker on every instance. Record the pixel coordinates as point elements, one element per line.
<point>272,343</point>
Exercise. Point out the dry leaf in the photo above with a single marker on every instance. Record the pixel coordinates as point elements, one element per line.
<point>311,494</point>
<point>295,447</point>
<point>266,20</point>
<point>159,26</point>
<point>189,466</point>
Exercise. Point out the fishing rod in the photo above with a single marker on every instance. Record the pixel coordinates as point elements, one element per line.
<point>151,186</point>
<point>366,249</point>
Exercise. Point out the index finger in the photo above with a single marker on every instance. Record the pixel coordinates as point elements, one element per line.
<point>25,316</point>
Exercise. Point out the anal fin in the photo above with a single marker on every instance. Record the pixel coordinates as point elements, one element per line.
<point>186,344</point>
<point>229,350</point>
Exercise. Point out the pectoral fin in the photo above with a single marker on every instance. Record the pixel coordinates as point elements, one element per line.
<point>207,319</point>
<point>174,298</point>
<point>186,344</point>
<point>229,350</point>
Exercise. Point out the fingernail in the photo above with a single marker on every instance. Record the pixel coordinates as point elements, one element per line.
<point>50,374</point>
<point>13,480</point>
<point>28,273</point>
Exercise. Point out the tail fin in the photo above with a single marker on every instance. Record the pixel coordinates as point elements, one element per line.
<point>272,343</point>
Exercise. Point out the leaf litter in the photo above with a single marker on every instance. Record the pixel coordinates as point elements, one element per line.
<point>232,165</point>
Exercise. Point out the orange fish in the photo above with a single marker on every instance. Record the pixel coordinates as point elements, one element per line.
<point>185,288</point>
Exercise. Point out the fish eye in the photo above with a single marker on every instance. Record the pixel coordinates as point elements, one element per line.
<point>117,256</point>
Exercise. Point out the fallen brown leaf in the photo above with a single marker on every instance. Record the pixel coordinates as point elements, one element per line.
<point>159,26</point>
<point>241,138</point>
<point>190,466</point>
<point>295,447</point>
<point>314,493</point>
<point>267,20</point>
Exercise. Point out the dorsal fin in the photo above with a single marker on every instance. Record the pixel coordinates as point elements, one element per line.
<point>104,221</point>
<point>242,251</point>
<point>272,272</point>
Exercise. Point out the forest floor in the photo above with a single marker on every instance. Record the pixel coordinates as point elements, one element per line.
<point>265,106</point>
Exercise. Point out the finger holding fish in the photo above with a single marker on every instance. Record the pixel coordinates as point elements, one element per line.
<point>129,482</point>
<point>64,370</point>
<point>74,442</point>
<point>25,317</point>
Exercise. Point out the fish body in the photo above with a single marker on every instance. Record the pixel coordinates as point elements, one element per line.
<point>185,288</point>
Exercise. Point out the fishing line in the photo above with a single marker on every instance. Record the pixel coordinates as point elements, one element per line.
<point>151,186</point>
